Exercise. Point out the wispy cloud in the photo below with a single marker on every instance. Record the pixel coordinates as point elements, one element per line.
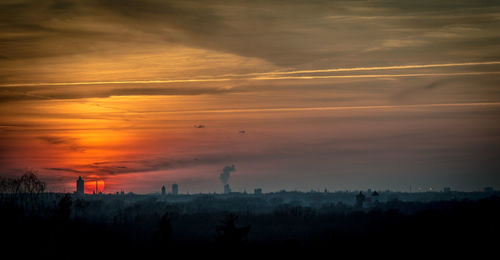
<point>250,76</point>
<point>378,75</point>
<point>69,142</point>
<point>114,82</point>
<point>325,108</point>
<point>397,43</point>
<point>142,166</point>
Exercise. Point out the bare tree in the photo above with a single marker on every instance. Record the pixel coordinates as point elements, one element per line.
<point>23,191</point>
<point>29,183</point>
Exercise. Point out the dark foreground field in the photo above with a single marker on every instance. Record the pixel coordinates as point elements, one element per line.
<point>69,226</point>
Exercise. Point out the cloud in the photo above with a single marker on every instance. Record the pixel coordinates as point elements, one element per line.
<point>142,166</point>
<point>396,43</point>
<point>66,170</point>
<point>20,93</point>
<point>230,77</point>
<point>401,75</point>
<point>78,90</point>
<point>69,142</point>
<point>414,91</point>
<point>54,139</point>
<point>119,48</point>
<point>249,29</point>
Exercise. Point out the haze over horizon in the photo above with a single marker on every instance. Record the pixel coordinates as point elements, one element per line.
<point>342,95</point>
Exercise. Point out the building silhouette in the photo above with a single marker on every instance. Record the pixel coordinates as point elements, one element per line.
<point>163,190</point>
<point>175,189</point>
<point>80,188</point>
<point>257,191</point>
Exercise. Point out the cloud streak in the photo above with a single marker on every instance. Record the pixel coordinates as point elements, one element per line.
<point>379,75</point>
<point>72,143</point>
<point>398,67</point>
<point>332,108</point>
<point>233,77</point>
<point>141,166</point>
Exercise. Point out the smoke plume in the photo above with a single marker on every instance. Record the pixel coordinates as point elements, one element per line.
<point>226,172</point>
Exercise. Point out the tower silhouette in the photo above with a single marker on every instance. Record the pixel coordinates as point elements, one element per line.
<point>80,188</point>
<point>175,189</point>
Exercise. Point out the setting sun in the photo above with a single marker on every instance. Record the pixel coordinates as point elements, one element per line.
<point>94,185</point>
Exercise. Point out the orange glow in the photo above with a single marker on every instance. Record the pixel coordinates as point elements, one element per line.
<point>92,183</point>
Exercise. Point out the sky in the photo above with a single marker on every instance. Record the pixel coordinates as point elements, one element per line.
<point>297,95</point>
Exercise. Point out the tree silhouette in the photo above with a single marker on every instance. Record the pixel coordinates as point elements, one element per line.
<point>64,208</point>
<point>163,234</point>
<point>23,191</point>
<point>360,199</point>
<point>230,235</point>
<point>30,184</point>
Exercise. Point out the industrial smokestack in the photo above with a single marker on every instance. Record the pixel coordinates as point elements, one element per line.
<point>227,189</point>
<point>224,177</point>
<point>226,172</point>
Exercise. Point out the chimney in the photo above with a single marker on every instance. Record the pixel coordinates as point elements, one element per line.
<point>227,189</point>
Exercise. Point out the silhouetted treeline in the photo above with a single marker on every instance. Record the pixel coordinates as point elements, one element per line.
<point>61,225</point>
<point>69,224</point>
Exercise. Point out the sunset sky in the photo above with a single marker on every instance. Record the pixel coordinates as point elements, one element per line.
<point>303,95</point>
